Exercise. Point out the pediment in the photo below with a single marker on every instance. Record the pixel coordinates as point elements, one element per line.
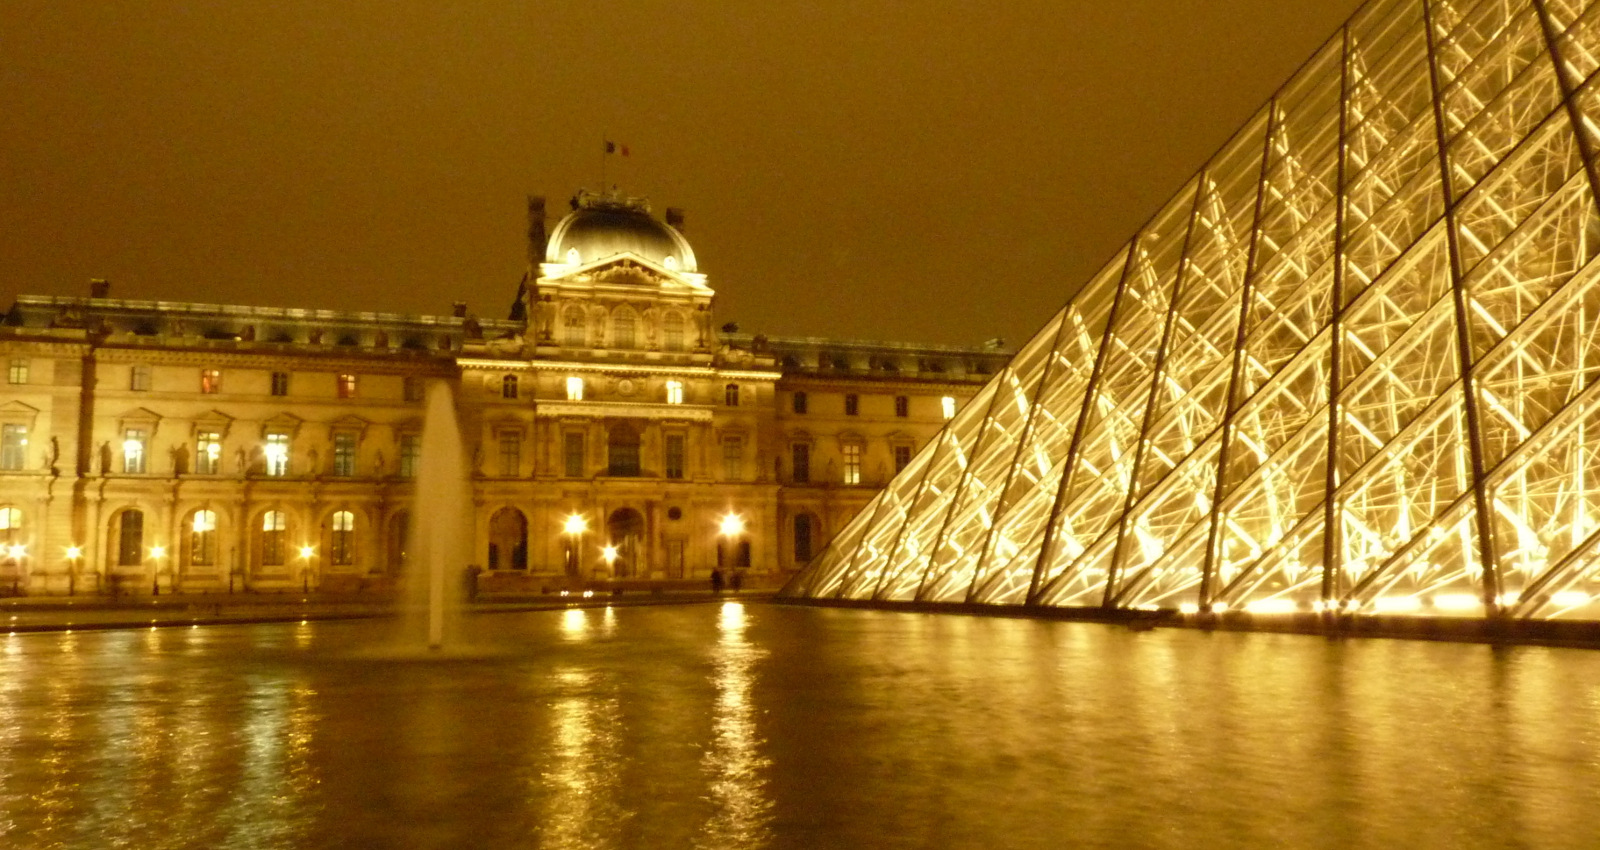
<point>214,421</point>
<point>283,423</point>
<point>16,412</point>
<point>632,270</point>
<point>140,415</point>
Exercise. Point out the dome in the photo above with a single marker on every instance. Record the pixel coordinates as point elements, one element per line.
<point>602,227</point>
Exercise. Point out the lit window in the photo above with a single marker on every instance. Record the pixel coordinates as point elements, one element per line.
<point>672,332</point>
<point>18,373</point>
<point>800,466</point>
<point>413,388</point>
<point>13,446</point>
<point>948,406</point>
<point>276,453</point>
<point>208,453</point>
<point>902,457</point>
<point>852,404</point>
<point>799,402</point>
<point>280,383</point>
<point>572,454</point>
<point>510,454</point>
<point>211,380</point>
<point>675,453</point>
<point>10,528</point>
<point>274,528</point>
<point>674,392</point>
<point>732,458</point>
<point>343,549</point>
<point>902,406</point>
<point>622,328</point>
<point>508,386</point>
<point>574,388</point>
<point>133,450</point>
<point>573,257</point>
<point>347,386</point>
<point>344,454</point>
<point>139,379</point>
<point>410,455</point>
<point>852,463</point>
<point>203,539</point>
<point>730,395</point>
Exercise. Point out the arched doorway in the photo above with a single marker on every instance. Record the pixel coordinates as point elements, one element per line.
<point>399,539</point>
<point>625,530</point>
<point>508,540</point>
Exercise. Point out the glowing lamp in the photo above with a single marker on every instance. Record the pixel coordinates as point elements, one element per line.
<point>74,553</point>
<point>732,525</point>
<point>307,551</point>
<point>609,553</point>
<point>158,551</point>
<point>575,524</point>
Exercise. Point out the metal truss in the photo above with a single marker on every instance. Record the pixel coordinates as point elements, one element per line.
<point>1350,367</point>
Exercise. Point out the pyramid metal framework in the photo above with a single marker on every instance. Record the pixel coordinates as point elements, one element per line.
<point>1353,365</point>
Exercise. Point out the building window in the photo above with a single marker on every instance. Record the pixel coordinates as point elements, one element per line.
<point>675,453</point>
<point>211,381</point>
<point>10,530</point>
<point>852,404</point>
<point>730,395</point>
<point>277,454</point>
<point>344,454</point>
<point>575,329</point>
<point>347,386</point>
<point>280,383</point>
<point>622,450</point>
<point>622,328</point>
<point>274,530</point>
<point>798,402</point>
<point>947,406</point>
<point>410,455</point>
<point>203,539</point>
<point>672,332</point>
<point>852,463</point>
<point>902,457</point>
<point>572,453</point>
<point>674,392</point>
<point>343,542</point>
<point>413,389</point>
<point>208,453</point>
<point>800,457</point>
<point>139,379</point>
<point>802,538</point>
<point>902,406</point>
<point>18,373</point>
<point>133,450</point>
<point>574,388</point>
<point>130,538</point>
<point>508,386</point>
<point>732,458</point>
<point>510,454</point>
<point>13,446</point>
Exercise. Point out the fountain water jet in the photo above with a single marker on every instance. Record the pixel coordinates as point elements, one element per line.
<point>442,511</point>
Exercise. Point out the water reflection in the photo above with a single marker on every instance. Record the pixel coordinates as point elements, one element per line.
<point>734,765</point>
<point>580,786</point>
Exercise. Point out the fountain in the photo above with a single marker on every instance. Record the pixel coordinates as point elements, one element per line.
<point>439,530</point>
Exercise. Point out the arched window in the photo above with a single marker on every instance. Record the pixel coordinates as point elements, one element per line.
<point>622,449</point>
<point>342,545</point>
<point>10,535</point>
<point>622,327</point>
<point>508,386</point>
<point>574,328</point>
<point>804,528</point>
<point>672,332</point>
<point>508,540</point>
<point>202,531</point>
<point>274,532</point>
<point>130,538</point>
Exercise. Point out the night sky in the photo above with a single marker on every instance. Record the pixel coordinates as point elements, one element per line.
<point>939,171</point>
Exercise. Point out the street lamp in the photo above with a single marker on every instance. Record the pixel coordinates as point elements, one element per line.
<point>73,554</point>
<point>732,529</point>
<point>156,554</point>
<point>17,551</point>
<point>610,554</point>
<point>305,567</point>
<point>574,527</point>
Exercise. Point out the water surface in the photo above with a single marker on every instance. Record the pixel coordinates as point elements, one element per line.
<point>748,726</point>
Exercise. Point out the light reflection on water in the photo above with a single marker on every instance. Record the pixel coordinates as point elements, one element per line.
<point>750,726</point>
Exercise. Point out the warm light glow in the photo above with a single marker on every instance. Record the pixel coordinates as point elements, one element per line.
<point>158,551</point>
<point>1456,602</point>
<point>1272,606</point>
<point>609,553</point>
<point>674,392</point>
<point>575,525</point>
<point>307,551</point>
<point>574,388</point>
<point>1570,599</point>
<point>74,553</point>
<point>1396,604</point>
<point>947,406</point>
<point>18,551</point>
<point>1219,607</point>
<point>732,525</point>
<point>1188,608</point>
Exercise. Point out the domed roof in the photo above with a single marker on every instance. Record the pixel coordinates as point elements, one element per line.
<point>600,227</point>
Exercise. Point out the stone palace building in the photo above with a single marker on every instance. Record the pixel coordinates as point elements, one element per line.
<point>614,432</point>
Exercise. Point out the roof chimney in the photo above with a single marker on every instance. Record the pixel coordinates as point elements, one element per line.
<point>459,310</point>
<point>536,234</point>
<point>99,288</point>
<point>675,217</point>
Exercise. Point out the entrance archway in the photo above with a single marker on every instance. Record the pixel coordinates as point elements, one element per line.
<point>625,530</point>
<point>508,540</point>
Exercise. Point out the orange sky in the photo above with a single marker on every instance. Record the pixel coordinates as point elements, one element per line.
<point>940,171</point>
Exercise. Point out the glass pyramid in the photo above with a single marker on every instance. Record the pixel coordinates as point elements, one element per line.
<point>1353,365</point>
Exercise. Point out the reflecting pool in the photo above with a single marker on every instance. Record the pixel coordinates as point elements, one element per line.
<point>751,725</point>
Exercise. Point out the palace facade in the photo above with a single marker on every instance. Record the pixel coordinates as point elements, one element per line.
<point>614,432</point>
